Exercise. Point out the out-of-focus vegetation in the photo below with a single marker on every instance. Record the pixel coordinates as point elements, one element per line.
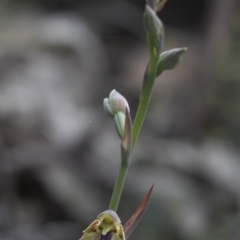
<point>58,60</point>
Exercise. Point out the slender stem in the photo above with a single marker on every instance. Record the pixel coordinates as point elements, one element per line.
<point>126,150</point>
<point>144,99</point>
<point>138,122</point>
<point>116,195</point>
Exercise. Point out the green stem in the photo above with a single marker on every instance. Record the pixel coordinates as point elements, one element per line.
<point>138,122</point>
<point>144,99</point>
<point>116,195</point>
<point>126,150</point>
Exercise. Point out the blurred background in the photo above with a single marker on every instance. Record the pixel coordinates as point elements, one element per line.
<point>59,152</point>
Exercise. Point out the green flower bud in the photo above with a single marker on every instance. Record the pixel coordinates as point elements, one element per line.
<point>170,59</point>
<point>154,29</point>
<point>115,103</point>
<point>115,106</point>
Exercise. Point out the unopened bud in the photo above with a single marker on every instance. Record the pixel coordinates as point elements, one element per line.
<point>115,106</point>
<point>170,59</point>
<point>154,28</point>
<point>115,103</point>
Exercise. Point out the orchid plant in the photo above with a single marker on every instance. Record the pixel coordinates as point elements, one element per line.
<point>108,225</point>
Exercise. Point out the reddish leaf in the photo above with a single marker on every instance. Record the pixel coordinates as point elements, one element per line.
<point>127,133</point>
<point>132,223</point>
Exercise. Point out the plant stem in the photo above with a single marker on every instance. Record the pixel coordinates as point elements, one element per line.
<point>126,150</point>
<point>145,98</point>
<point>116,195</point>
<point>138,122</point>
